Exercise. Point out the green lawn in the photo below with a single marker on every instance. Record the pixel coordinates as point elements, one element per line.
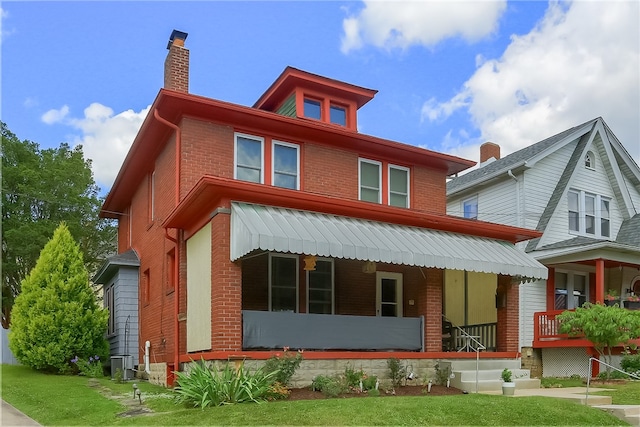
<point>66,400</point>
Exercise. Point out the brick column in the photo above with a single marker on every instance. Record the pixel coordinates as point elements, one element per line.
<point>430,306</point>
<point>226,288</point>
<point>508,300</point>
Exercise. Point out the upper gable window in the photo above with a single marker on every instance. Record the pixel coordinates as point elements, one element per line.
<point>589,214</point>
<point>338,115</point>
<point>286,165</point>
<point>312,109</point>
<point>249,158</point>
<point>470,208</point>
<point>589,161</point>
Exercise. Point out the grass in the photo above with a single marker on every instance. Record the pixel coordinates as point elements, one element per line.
<point>67,400</point>
<point>627,393</point>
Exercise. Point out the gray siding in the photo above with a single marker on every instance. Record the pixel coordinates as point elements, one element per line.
<point>125,283</point>
<point>7,356</point>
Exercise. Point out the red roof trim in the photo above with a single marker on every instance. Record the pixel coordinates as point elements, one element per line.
<point>210,191</point>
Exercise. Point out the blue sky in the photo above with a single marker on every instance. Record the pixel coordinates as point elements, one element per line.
<point>450,75</point>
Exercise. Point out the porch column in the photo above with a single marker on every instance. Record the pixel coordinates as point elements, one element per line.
<point>600,280</point>
<point>430,306</point>
<point>226,287</point>
<point>508,296</point>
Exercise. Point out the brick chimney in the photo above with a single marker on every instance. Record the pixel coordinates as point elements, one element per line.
<point>176,66</point>
<point>489,150</point>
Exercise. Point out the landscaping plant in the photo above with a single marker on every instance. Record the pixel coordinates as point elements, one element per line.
<point>396,371</point>
<point>56,317</point>
<point>203,387</point>
<point>631,363</point>
<point>284,365</point>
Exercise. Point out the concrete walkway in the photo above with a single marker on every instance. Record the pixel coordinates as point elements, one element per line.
<point>12,417</point>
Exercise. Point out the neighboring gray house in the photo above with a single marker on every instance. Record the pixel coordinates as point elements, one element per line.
<point>581,188</point>
<point>119,277</point>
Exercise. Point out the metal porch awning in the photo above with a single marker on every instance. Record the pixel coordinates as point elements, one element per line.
<point>303,232</point>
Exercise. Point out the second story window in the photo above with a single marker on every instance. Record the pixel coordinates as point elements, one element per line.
<point>286,165</point>
<point>249,163</point>
<point>470,208</point>
<point>370,180</point>
<point>398,186</point>
<point>589,214</point>
<point>588,161</point>
<point>312,108</point>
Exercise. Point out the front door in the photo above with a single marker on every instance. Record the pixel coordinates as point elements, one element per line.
<point>388,294</point>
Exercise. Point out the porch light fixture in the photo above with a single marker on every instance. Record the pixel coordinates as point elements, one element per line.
<point>369,267</point>
<point>310,262</point>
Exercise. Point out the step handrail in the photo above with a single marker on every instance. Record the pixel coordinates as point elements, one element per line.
<point>586,397</point>
<point>477,349</point>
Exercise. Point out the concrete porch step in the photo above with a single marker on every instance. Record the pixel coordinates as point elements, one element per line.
<point>494,385</point>
<point>628,413</point>
<point>491,374</point>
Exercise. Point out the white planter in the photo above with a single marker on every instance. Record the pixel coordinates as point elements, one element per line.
<point>508,389</point>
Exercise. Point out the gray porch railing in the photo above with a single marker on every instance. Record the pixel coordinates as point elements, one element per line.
<point>269,330</point>
<point>485,333</point>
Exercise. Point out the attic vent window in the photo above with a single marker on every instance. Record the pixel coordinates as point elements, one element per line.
<point>312,109</point>
<point>338,115</point>
<point>588,161</point>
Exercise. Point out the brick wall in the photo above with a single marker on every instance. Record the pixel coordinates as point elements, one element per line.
<point>508,315</point>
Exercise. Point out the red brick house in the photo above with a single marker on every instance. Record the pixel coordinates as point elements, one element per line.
<point>281,225</point>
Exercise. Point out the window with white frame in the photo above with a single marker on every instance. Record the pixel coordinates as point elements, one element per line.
<point>320,288</point>
<point>589,214</point>
<point>370,178</point>
<point>283,282</point>
<point>589,162</point>
<point>470,208</point>
<point>398,186</point>
<point>249,158</point>
<point>286,165</point>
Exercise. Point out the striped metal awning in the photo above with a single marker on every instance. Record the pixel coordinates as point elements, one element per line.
<point>311,233</point>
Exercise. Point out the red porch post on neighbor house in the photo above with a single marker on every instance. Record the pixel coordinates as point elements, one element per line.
<point>508,296</point>
<point>430,306</point>
<point>600,280</point>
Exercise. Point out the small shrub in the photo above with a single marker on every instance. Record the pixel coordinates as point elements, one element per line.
<point>353,377</point>
<point>631,363</point>
<point>506,375</point>
<point>277,391</point>
<point>284,365</point>
<point>330,386</point>
<point>396,371</point>
<point>613,375</point>
<point>369,383</point>
<point>373,392</point>
<point>205,387</point>
<point>91,368</point>
<point>118,376</point>
<point>442,375</point>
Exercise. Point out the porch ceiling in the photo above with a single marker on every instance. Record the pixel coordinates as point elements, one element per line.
<point>303,232</point>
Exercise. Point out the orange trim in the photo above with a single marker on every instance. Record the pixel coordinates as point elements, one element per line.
<point>348,355</point>
<point>207,193</point>
<point>600,280</point>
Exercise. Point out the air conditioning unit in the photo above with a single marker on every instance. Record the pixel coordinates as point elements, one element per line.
<point>125,364</point>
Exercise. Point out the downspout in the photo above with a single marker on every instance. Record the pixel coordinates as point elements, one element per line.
<point>147,365</point>
<point>518,223</point>
<point>176,299</point>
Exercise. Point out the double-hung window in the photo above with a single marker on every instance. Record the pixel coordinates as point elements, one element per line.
<point>320,298</point>
<point>470,208</point>
<point>370,179</point>
<point>249,158</point>
<point>589,214</point>
<point>286,165</point>
<point>398,186</point>
<point>283,282</point>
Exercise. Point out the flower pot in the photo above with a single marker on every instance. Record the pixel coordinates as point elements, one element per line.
<point>632,305</point>
<point>508,389</point>
<point>611,302</point>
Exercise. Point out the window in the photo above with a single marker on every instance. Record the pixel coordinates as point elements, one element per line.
<point>110,305</point>
<point>588,161</point>
<point>320,288</point>
<point>571,290</point>
<point>589,214</point>
<point>283,283</point>
<point>370,181</point>
<point>338,115</point>
<point>398,186</point>
<point>312,109</point>
<point>286,165</point>
<point>470,208</point>
<point>249,158</point>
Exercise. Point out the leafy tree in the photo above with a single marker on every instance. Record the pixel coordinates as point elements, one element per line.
<point>606,327</point>
<point>56,316</point>
<point>40,189</point>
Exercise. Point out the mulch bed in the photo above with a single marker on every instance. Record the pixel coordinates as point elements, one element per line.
<point>436,390</point>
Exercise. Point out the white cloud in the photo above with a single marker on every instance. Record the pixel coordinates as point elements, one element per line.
<point>106,138</point>
<point>55,116</point>
<point>400,24</point>
<point>581,61</point>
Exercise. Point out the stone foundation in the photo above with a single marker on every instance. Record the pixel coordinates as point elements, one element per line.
<point>423,369</point>
<point>532,360</point>
<point>157,374</point>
